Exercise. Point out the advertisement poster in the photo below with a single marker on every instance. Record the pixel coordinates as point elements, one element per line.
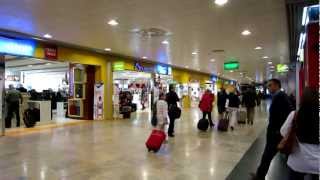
<point>98,101</point>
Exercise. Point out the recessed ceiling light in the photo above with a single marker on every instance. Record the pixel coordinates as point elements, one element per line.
<point>113,22</point>
<point>30,65</point>
<point>231,71</point>
<point>194,53</point>
<point>165,42</point>
<point>212,60</point>
<point>48,64</point>
<point>186,66</point>
<point>258,48</point>
<point>48,36</point>
<point>144,57</point>
<point>107,49</point>
<point>246,32</point>
<point>265,57</point>
<point>269,62</point>
<point>220,2</point>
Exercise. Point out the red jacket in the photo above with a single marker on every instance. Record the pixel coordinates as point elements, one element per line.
<point>206,102</point>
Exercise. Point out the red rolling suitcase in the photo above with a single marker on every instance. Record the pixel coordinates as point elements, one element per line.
<point>155,140</point>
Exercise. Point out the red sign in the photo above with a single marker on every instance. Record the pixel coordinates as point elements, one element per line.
<point>51,52</point>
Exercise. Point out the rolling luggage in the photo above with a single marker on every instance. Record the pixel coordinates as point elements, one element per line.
<point>223,124</point>
<point>30,117</point>
<point>155,140</point>
<point>203,124</point>
<point>242,119</point>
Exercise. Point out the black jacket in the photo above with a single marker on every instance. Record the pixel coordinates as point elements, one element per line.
<point>249,98</point>
<point>172,98</point>
<point>222,98</point>
<point>278,112</point>
<point>234,100</point>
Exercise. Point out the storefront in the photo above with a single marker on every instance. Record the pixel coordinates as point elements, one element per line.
<point>137,85</point>
<point>57,84</point>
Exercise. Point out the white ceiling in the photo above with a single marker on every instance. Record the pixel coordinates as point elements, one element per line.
<point>193,25</point>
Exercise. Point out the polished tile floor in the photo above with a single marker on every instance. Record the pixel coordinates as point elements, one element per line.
<point>115,150</point>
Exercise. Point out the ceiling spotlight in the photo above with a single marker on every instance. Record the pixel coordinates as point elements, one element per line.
<point>220,2</point>
<point>48,64</point>
<point>265,57</point>
<point>246,32</point>
<point>269,62</point>
<point>165,42</point>
<point>107,49</point>
<point>258,48</point>
<point>186,66</point>
<point>212,60</point>
<point>231,71</point>
<point>113,22</point>
<point>48,36</point>
<point>144,57</point>
<point>194,53</point>
<point>30,65</point>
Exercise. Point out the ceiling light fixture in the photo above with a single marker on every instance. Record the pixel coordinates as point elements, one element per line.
<point>165,42</point>
<point>186,66</point>
<point>107,49</point>
<point>265,57</point>
<point>231,71</point>
<point>48,64</point>
<point>144,57</point>
<point>194,53</point>
<point>48,36</point>
<point>212,60</point>
<point>246,32</point>
<point>220,2</point>
<point>30,65</point>
<point>113,22</point>
<point>258,48</point>
<point>269,62</point>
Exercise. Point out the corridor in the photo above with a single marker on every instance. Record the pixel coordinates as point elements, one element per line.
<point>115,150</point>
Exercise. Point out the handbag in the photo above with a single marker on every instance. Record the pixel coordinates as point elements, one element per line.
<point>288,142</point>
<point>174,111</point>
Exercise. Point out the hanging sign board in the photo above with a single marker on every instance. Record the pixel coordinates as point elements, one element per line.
<point>17,46</point>
<point>231,65</point>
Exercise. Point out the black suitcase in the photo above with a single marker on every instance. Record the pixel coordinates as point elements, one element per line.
<point>203,124</point>
<point>30,117</point>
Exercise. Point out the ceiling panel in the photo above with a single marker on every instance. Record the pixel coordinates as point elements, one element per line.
<point>193,25</point>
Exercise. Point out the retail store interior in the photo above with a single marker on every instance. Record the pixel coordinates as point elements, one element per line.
<point>43,85</point>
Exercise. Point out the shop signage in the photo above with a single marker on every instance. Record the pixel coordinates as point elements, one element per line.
<point>162,69</point>
<point>17,46</point>
<point>118,66</point>
<point>139,67</point>
<point>51,52</point>
<point>281,68</point>
<point>231,65</point>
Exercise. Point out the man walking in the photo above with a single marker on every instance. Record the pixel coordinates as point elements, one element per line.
<point>249,101</point>
<point>278,112</point>
<point>13,105</point>
<point>172,100</point>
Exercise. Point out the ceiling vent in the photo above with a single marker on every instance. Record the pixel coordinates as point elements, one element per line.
<point>151,32</point>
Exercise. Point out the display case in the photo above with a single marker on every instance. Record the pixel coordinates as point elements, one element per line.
<point>78,80</point>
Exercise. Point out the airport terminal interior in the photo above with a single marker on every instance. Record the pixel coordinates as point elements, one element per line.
<point>152,90</point>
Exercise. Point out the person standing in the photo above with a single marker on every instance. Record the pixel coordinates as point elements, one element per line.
<point>172,100</point>
<point>221,102</point>
<point>304,159</point>
<point>233,106</point>
<point>249,101</point>
<point>162,112</point>
<point>278,112</point>
<point>13,99</point>
<point>205,106</point>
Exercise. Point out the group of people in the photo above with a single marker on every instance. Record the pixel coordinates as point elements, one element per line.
<point>301,124</point>
<point>230,102</point>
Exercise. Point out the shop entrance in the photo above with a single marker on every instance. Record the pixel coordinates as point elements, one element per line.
<point>132,92</point>
<point>42,88</point>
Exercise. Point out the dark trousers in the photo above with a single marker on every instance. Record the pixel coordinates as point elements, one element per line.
<point>171,125</point>
<point>293,175</point>
<point>209,117</point>
<point>13,107</point>
<point>270,150</point>
<point>250,114</point>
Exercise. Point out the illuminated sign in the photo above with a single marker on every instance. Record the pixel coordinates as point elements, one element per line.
<point>139,67</point>
<point>231,65</point>
<point>162,69</point>
<point>118,66</point>
<point>281,68</point>
<point>17,46</point>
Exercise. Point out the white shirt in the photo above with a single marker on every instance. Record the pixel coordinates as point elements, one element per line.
<point>305,157</point>
<point>162,112</point>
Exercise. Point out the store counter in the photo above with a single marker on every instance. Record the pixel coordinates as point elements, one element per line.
<point>45,110</point>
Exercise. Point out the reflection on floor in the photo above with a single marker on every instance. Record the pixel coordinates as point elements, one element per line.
<point>115,150</point>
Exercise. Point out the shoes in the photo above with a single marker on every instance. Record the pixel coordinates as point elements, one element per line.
<point>232,128</point>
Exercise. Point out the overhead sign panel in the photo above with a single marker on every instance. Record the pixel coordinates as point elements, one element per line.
<point>17,46</point>
<point>231,65</point>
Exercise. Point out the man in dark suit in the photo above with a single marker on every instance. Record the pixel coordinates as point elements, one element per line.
<point>278,112</point>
